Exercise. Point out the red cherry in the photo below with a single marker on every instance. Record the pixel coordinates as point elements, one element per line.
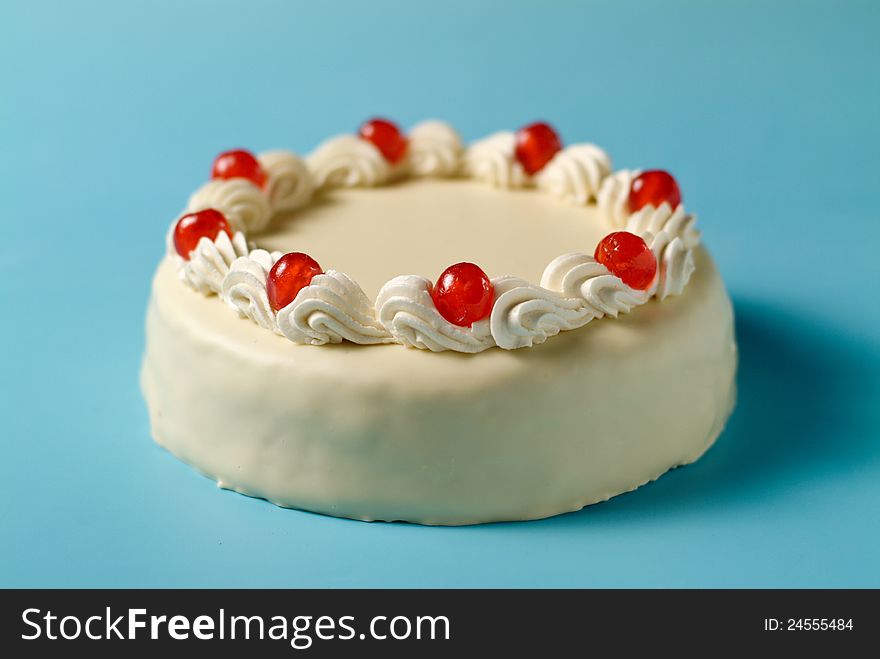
<point>239,164</point>
<point>385,136</point>
<point>192,227</point>
<point>290,274</point>
<point>536,144</point>
<point>463,294</point>
<point>629,257</point>
<point>653,187</point>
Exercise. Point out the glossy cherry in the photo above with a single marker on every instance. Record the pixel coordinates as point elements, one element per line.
<point>653,187</point>
<point>536,144</point>
<point>290,274</point>
<point>192,227</point>
<point>463,294</point>
<point>239,163</point>
<point>629,257</point>
<point>385,136</point>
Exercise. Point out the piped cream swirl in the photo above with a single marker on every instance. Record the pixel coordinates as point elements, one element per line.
<point>675,223</point>
<point>580,276</point>
<point>406,310</point>
<point>289,184</point>
<point>331,308</point>
<point>613,196</point>
<point>434,150</point>
<point>244,287</point>
<point>574,289</point>
<point>242,203</point>
<point>347,161</point>
<point>524,314</point>
<point>492,160</point>
<point>672,236</point>
<point>209,262</point>
<point>575,173</point>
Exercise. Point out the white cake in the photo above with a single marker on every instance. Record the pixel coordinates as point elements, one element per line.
<point>560,416</point>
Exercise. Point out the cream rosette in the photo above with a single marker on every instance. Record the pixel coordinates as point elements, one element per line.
<point>347,161</point>
<point>209,263</point>
<point>613,196</point>
<point>672,236</point>
<point>575,174</point>
<point>288,182</point>
<point>332,308</point>
<point>434,150</point>
<point>244,287</point>
<point>524,315</point>
<point>242,203</point>
<point>574,289</point>
<point>406,310</point>
<point>492,159</point>
<point>580,276</point>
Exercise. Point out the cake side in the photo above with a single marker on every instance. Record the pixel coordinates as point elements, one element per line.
<point>446,438</point>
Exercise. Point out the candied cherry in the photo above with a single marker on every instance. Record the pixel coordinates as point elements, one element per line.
<point>192,227</point>
<point>290,274</point>
<point>536,144</point>
<point>627,256</point>
<point>653,187</point>
<point>463,294</point>
<point>385,136</point>
<point>239,163</point>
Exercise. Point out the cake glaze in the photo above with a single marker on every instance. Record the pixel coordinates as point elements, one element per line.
<point>386,433</point>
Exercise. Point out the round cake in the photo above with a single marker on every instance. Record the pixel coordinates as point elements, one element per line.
<point>573,342</point>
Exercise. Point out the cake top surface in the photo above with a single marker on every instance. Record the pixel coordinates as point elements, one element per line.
<point>421,227</point>
<point>414,246</point>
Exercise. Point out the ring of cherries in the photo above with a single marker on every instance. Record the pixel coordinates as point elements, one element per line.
<point>463,293</point>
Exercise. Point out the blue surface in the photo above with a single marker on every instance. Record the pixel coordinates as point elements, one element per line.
<point>766,112</point>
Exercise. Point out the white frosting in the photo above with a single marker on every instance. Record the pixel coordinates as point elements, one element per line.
<point>244,287</point>
<point>676,224</point>
<point>581,276</point>
<point>574,288</point>
<point>243,203</point>
<point>405,308</point>
<point>331,308</point>
<point>374,432</point>
<point>575,173</point>
<point>209,262</point>
<point>672,236</point>
<point>492,160</point>
<point>676,264</point>
<point>289,184</point>
<point>347,161</point>
<point>613,196</point>
<point>524,314</point>
<point>434,149</point>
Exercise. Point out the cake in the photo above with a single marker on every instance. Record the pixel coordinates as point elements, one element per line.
<point>399,326</point>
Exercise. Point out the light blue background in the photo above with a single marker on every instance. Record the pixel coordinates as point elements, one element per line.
<point>767,112</point>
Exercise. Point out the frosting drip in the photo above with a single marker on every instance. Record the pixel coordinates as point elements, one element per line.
<point>289,185</point>
<point>492,160</point>
<point>347,161</point>
<point>434,150</point>
<point>244,287</point>
<point>330,309</point>
<point>406,310</point>
<point>243,203</point>
<point>575,173</point>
